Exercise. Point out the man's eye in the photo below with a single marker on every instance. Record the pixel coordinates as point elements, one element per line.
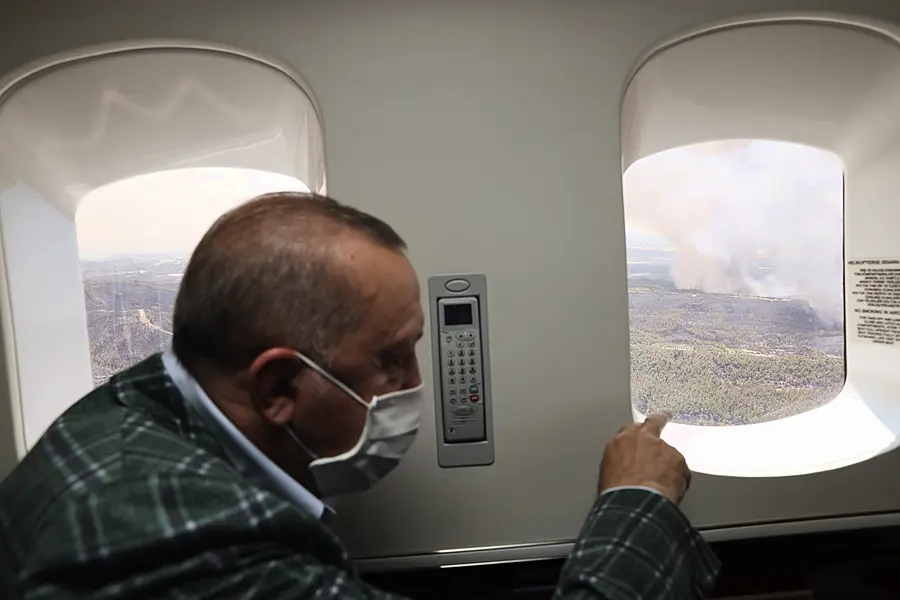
<point>381,362</point>
<point>392,360</point>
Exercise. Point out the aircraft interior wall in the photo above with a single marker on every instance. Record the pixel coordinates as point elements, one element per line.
<point>494,137</point>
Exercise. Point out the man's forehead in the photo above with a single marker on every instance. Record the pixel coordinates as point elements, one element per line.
<point>387,279</point>
<point>368,262</point>
<point>387,325</point>
<point>397,316</point>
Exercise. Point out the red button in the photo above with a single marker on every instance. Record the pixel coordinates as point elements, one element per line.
<point>473,398</point>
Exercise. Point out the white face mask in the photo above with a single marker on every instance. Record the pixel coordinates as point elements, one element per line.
<point>392,422</point>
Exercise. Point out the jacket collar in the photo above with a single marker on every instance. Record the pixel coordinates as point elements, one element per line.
<point>162,387</point>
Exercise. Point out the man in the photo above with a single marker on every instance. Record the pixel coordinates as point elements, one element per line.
<point>201,473</point>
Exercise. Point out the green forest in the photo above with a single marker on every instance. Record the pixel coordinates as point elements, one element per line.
<point>713,359</point>
<point>719,359</point>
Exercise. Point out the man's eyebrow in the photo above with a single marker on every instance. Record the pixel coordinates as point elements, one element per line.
<point>397,345</point>
<point>396,339</point>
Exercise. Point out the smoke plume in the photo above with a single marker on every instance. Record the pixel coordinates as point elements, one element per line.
<point>725,206</point>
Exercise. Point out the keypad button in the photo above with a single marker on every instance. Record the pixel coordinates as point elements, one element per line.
<point>452,380</point>
<point>451,371</point>
<point>471,344</point>
<point>471,361</point>
<point>471,369</point>
<point>462,352</point>
<point>451,362</point>
<point>473,380</point>
<point>460,345</point>
<point>471,353</point>
<point>473,389</point>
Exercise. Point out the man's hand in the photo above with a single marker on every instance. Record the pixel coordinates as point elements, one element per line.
<point>636,456</point>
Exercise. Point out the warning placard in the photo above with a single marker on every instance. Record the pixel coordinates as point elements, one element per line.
<point>873,300</point>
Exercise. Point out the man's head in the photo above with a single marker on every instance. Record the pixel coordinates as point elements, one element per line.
<point>290,272</point>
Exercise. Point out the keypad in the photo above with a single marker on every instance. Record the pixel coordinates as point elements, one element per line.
<point>462,371</point>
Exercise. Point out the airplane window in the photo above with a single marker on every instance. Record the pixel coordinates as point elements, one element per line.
<point>735,280</point>
<point>133,253</point>
<point>108,181</point>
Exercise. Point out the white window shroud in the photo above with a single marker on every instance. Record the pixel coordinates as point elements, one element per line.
<point>113,162</point>
<point>733,142</point>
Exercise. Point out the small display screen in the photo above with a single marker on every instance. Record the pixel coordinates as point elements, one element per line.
<point>457,314</point>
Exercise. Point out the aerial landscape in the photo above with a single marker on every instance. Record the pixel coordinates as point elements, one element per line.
<point>726,359</point>
<point>714,359</point>
<point>735,276</point>
<point>129,302</point>
<point>735,280</point>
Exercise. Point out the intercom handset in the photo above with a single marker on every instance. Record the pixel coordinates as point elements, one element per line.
<point>461,364</point>
<point>462,380</point>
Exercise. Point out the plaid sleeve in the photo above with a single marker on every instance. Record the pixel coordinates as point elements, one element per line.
<point>197,536</point>
<point>637,545</point>
<point>189,537</point>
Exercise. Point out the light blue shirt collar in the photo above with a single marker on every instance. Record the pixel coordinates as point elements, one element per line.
<point>254,463</point>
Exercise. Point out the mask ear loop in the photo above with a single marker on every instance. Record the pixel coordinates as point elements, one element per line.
<point>303,446</point>
<point>331,379</point>
<point>334,381</point>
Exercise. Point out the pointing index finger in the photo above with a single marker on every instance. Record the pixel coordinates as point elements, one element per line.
<point>655,422</point>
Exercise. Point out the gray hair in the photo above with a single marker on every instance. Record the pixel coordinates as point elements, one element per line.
<point>265,275</point>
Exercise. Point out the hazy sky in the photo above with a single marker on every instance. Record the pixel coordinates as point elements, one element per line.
<point>711,183</point>
<point>167,211</point>
<point>719,204</point>
<point>722,205</point>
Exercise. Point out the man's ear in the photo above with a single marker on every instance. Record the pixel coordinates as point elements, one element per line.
<point>273,385</point>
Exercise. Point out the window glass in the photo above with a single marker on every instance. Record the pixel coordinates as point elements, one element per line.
<point>735,280</point>
<point>134,240</point>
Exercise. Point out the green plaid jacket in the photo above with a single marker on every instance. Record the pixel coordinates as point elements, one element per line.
<point>129,495</point>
